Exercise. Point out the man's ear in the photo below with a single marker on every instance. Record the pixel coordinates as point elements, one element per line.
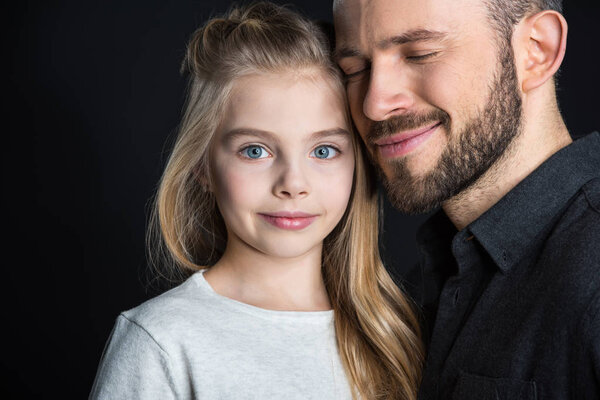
<point>541,42</point>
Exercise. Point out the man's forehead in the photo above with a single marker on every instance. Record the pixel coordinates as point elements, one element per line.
<point>348,13</point>
<point>372,21</point>
<point>347,16</point>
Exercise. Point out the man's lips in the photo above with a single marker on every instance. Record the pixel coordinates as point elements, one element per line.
<point>290,220</point>
<point>403,143</point>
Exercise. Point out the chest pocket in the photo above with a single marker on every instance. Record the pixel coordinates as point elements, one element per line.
<point>477,387</point>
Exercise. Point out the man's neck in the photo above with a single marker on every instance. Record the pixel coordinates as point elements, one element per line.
<point>534,145</point>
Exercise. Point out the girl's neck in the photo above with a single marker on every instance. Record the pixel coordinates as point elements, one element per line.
<point>284,284</point>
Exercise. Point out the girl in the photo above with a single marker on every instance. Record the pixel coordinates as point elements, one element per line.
<point>267,202</point>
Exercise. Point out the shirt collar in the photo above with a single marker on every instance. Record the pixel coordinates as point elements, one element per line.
<point>511,226</point>
<point>436,230</point>
<point>434,237</point>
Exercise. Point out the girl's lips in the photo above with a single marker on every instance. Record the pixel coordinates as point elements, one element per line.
<point>405,142</point>
<point>289,220</point>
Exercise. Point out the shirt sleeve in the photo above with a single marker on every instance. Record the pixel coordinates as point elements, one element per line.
<point>133,366</point>
<point>594,332</point>
<point>587,364</point>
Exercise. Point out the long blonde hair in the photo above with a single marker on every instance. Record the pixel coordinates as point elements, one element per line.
<point>377,331</point>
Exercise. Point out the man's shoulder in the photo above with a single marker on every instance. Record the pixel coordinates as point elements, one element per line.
<point>571,254</point>
<point>591,190</point>
<point>579,225</point>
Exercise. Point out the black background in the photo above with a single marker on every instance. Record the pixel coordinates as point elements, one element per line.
<point>92,95</point>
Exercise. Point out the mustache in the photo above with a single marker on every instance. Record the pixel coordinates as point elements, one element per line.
<point>385,128</point>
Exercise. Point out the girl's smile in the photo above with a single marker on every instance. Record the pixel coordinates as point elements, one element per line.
<point>292,220</point>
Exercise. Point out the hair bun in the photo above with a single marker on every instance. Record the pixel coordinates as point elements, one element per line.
<point>254,35</point>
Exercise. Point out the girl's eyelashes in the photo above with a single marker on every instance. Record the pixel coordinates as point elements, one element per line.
<point>324,152</point>
<point>254,152</point>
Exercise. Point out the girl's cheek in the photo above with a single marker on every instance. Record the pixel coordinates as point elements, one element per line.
<point>239,184</point>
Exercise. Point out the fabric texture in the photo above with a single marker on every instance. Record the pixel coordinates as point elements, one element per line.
<point>192,343</point>
<point>511,303</point>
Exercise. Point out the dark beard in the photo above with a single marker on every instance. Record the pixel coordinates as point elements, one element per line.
<point>469,152</point>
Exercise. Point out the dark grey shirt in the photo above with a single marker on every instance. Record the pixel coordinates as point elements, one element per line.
<point>512,302</point>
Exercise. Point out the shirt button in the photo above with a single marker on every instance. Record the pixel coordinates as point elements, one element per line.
<point>456,296</point>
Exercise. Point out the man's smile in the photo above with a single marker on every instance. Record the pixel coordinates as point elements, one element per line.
<point>403,143</point>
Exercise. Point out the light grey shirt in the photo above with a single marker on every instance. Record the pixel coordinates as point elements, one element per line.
<point>192,343</point>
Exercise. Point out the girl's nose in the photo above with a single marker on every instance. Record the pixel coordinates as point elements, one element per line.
<point>292,183</point>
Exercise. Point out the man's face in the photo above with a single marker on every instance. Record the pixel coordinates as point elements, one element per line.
<point>433,92</point>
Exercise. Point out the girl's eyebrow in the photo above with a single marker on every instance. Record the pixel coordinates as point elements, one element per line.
<point>266,135</point>
<point>239,132</point>
<point>320,135</point>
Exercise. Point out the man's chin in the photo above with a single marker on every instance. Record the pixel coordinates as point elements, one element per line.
<point>411,194</point>
<point>412,202</point>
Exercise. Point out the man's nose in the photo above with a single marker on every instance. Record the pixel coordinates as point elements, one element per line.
<point>388,92</point>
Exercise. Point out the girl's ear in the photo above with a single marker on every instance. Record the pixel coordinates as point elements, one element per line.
<point>541,43</point>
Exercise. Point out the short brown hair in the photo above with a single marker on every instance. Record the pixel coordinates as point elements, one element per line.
<point>505,14</point>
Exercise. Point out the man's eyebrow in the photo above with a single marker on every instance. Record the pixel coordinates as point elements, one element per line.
<point>417,35</point>
<point>345,52</point>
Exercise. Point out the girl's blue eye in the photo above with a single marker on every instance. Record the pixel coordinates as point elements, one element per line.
<point>254,152</point>
<point>324,152</point>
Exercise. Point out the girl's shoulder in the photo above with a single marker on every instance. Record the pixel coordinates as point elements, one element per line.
<point>184,308</point>
<point>172,300</point>
<point>144,357</point>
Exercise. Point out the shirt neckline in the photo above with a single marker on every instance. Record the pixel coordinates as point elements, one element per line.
<point>304,316</point>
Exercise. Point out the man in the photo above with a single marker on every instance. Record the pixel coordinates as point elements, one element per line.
<point>456,103</point>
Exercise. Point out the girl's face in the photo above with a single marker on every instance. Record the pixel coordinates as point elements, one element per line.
<point>282,163</point>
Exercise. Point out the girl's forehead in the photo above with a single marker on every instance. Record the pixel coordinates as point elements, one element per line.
<point>308,77</point>
<point>285,102</point>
